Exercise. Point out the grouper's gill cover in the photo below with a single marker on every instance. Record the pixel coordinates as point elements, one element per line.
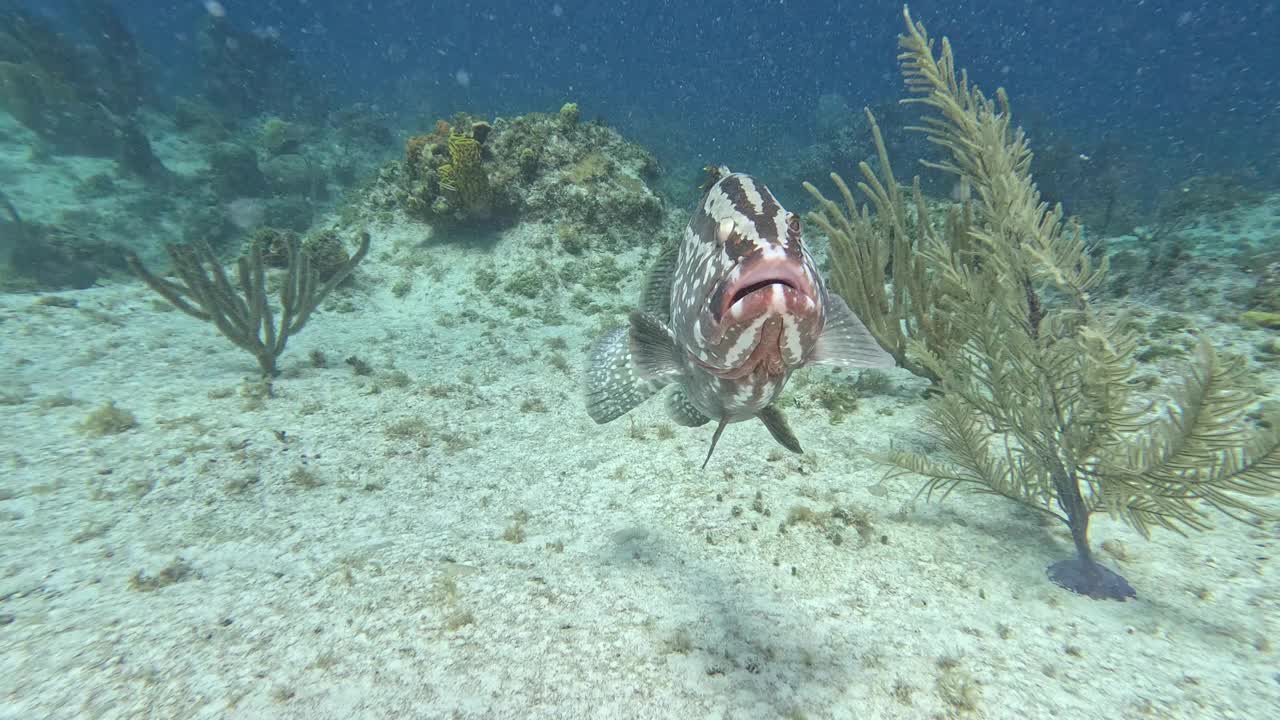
<point>728,313</point>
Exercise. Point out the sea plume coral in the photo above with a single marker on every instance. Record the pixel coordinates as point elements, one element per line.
<point>1037,402</point>
<point>241,310</point>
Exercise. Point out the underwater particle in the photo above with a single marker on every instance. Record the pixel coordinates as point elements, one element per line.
<point>108,420</point>
<point>462,77</point>
<point>215,8</point>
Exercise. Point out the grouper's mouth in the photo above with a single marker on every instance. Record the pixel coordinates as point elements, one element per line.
<point>761,316</point>
<point>745,291</point>
<point>749,295</point>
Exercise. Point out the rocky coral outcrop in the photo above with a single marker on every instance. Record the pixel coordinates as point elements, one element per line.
<point>583,178</point>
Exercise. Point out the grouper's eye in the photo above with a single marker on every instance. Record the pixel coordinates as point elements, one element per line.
<point>793,223</point>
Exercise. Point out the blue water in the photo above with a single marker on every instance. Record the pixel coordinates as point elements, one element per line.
<point>1185,88</point>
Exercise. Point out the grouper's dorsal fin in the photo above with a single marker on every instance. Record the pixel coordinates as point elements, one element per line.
<point>712,174</point>
<point>656,299</point>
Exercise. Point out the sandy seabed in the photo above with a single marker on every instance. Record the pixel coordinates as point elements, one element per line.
<point>451,536</point>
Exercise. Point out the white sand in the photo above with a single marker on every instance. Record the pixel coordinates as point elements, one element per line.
<point>644,587</point>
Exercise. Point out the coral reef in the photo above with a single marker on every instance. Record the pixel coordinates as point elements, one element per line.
<point>582,178</point>
<point>327,254</point>
<point>463,180</point>
<point>234,171</point>
<point>280,137</point>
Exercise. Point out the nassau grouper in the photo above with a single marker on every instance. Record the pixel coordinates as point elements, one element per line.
<point>727,315</point>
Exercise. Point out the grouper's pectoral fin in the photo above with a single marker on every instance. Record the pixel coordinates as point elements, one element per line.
<point>773,419</point>
<point>846,342</point>
<point>628,365</point>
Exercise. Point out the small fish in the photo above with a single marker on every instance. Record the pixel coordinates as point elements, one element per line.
<point>727,314</point>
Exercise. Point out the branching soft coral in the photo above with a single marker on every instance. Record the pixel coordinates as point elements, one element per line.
<point>1037,401</point>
